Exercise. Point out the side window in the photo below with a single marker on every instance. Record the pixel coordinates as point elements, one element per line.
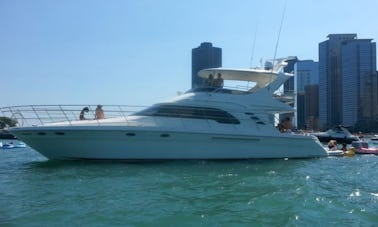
<point>217,115</point>
<point>221,116</point>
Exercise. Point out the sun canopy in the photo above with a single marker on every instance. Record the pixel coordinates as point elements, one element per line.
<point>260,76</point>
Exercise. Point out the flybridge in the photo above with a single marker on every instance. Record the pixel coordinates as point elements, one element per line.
<point>270,79</point>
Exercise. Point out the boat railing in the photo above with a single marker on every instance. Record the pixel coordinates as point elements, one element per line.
<point>39,115</point>
<point>42,115</point>
<point>230,89</point>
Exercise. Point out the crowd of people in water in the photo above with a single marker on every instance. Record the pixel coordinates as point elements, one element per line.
<point>99,113</point>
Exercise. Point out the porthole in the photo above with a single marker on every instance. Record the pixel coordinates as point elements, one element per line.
<point>130,134</point>
<point>165,135</point>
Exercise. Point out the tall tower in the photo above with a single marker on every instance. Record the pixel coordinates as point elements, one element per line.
<point>204,56</point>
<point>306,73</point>
<point>312,106</point>
<point>330,79</point>
<point>347,78</point>
<point>359,99</point>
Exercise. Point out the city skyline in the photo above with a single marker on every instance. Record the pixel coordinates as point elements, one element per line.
<point>125,52</point>
<point>343,85</point>
<point>347,65</point>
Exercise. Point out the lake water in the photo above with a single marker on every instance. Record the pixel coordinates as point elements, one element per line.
<point>340,191</point>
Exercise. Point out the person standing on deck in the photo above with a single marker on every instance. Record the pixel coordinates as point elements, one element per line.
<point>99,112</point>
<point>83,111</point>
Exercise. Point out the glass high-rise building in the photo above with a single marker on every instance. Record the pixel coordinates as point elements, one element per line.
<point>330,79</point>
<point>306,73</point>
<point>204,56</point>
<point>358,77</point>
<point>347,78</point>
<point>312,106</point>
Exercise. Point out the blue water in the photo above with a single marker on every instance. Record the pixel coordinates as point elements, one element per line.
<point>340,191</point>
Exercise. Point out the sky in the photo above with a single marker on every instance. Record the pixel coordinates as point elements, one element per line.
<point>138,52</point>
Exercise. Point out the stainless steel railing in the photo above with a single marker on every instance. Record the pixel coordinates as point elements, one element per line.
<point>41,115</point>
<point>30,115</point>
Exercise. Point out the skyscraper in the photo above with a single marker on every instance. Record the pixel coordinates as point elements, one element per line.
<point>204,56</point>
<point>330,79</point>
<point>347,90</point>
<point>312,106</point>
<point>306,73</point>
<point>358,77</point>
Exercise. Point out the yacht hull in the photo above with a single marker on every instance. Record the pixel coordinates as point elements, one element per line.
<point>59,143</point>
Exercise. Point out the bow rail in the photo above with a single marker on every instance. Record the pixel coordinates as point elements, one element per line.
<point>40,115</point>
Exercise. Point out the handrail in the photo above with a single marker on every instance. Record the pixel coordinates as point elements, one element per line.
<point>30,115</point>
<point>236,89</point>
<point>42,115</point>
<point>36,113</point>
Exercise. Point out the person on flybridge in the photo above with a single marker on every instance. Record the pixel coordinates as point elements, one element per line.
<point>218,82</point>
<point>209,82</point>
<point>214,83</point>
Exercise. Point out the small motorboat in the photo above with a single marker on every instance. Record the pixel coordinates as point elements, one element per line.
<point>362,147</point>
<point>11,145</point>
<point>348,153</point>
<point>8,145</point>
<point>338,133</point>
<point>5,135</point>
<point>374,138</point>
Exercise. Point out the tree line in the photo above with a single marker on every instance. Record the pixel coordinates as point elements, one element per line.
<point>7,122</point>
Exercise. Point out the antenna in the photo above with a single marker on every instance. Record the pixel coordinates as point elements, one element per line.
<point>279,31</point>
<point>253,46</point>
<point>278,38</point>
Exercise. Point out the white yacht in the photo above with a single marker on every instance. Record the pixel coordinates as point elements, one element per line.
<point>204,123</point>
